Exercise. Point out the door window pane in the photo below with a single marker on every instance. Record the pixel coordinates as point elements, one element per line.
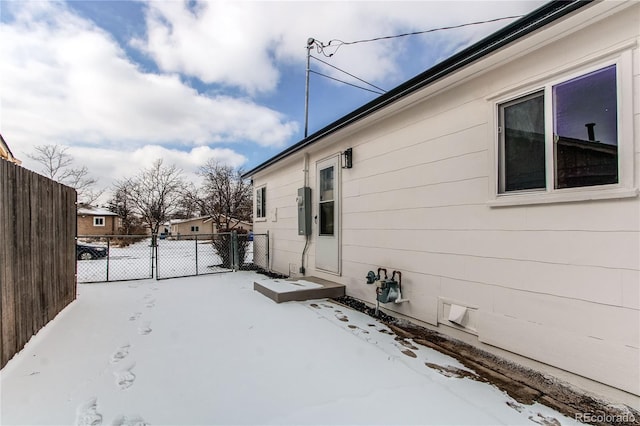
<point>326,184</point>
<point>326,218</point>
<point>586,130</point>
<point>522,153</point>
<point>326,201</point>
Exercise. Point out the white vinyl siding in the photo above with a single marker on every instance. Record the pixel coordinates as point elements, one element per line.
<point>559,264</point>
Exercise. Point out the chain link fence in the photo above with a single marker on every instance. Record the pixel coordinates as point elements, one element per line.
<point>193,255</point>
<point>257,254</point>
<point>114,258</point>
<point>133,257</point>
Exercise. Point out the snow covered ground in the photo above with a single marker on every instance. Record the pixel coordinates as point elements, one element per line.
<point>210,350</point>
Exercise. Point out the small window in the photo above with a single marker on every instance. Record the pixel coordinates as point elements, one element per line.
<point>195,229</point>
<point>98,221</point>
<point>261,202</point>
<point>570,128</point>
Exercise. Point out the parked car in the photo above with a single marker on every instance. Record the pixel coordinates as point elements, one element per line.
<point>89,252</point>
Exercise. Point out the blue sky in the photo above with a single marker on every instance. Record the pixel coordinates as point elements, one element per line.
<point>122,83</point>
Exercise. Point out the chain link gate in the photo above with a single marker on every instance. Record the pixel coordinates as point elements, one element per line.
<point>134,257</point>
<point>193,255</point>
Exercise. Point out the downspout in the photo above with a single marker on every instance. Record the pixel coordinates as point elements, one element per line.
<point>305,171</point>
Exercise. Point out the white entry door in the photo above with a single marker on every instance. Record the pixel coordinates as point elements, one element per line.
<point>328,217</point>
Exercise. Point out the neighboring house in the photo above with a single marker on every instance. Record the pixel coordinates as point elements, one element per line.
<point>179,228</point>
<point>97,221</point>
<point>514,219</point>
<point>189,227</point>
<point>5,152</point>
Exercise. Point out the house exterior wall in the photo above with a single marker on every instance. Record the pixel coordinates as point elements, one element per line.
<point>86,225</point>
<point>204,226</point>
<point>557,282</point>
<point>184,228</point>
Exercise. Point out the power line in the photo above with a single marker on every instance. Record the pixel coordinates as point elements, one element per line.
<point>347,83</point>
<point>320,48</point>
<point>339,43</point>
<point>350,75</point>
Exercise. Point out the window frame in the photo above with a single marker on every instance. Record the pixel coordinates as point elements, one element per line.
<point>260,214</point>
<point>97,219</point>
<point>623,60</point>
<point>195,228</point>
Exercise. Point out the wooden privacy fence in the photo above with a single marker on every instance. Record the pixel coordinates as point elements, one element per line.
<point>37,254</point>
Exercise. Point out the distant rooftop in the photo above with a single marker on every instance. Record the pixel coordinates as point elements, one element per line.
<point>95,211</point>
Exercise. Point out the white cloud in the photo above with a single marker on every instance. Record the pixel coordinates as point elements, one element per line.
<point>66,81</point>
<point>109,165</point>
<point>242,43</point>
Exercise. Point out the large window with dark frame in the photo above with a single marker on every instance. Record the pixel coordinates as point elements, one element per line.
<point>575,134</point>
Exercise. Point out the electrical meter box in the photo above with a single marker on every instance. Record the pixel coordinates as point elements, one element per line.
<point>304,210</point>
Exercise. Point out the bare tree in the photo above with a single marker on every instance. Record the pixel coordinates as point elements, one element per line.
<point>155,193</point>
<point>57,165</point>
<point>224,196</point>
<point>121,204</point>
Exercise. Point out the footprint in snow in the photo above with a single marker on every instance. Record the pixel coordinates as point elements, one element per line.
<point>129,421</point>
<point>144,329</point>
<point>87,413</point>
<point>545,420</point>
<point>451,371</point>
<point>121,353</point>
<point>342,317</point>
<point>313,305</point>
<point>135,316</point>
<point>409,353</point>
<point>515,406</point>
<point>327,306</point>
<point>151,303</point>
<point>405,343</point>
<point>125,378</point>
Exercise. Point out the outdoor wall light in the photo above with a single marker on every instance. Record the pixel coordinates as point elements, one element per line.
<point>347,158</point>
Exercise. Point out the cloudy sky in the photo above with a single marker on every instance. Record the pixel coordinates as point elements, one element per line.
<point>122,83</point>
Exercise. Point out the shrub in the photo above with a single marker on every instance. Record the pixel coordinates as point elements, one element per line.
<point>222,245</point>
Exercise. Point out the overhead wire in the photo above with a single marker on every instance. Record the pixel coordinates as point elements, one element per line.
<point>345,82</point>
<point>320,48</point>
<point>340,43</point>
<point>350,75</point>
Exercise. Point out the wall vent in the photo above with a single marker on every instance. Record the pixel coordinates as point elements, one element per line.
<point>457,314</point>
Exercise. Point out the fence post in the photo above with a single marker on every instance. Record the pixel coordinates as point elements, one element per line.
<point>154,258</point>
<point>267,253</point>
<point>234,245</point>
<point>108,256</point>
<point>196,239</point>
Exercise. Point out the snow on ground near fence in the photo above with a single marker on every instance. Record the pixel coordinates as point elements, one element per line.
<point>210,350</point>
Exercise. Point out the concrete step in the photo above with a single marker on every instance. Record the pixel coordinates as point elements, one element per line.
<point>299,289</point>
